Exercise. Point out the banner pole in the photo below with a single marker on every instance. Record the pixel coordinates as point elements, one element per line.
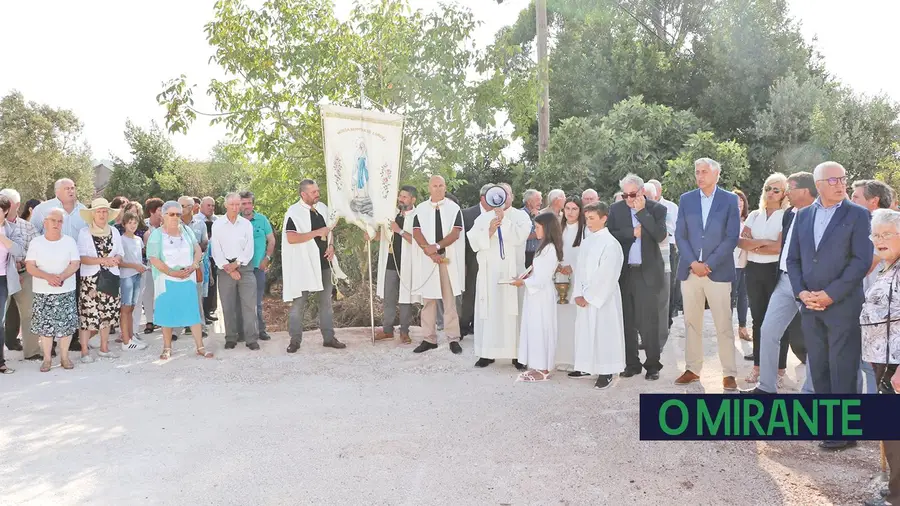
<point>371,296</point>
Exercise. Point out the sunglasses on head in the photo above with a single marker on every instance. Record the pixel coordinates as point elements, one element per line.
<point>773,189</point>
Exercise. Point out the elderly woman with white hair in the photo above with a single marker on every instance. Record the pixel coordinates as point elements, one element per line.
<point>175,256</point>
<point>880,322</point>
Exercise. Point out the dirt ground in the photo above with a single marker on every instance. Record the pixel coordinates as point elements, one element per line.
<point>376,424</point>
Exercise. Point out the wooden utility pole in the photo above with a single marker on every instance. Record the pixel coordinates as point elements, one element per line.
<point>543,78</point>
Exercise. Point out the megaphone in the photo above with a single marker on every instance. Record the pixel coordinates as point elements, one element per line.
<point>496,197</point>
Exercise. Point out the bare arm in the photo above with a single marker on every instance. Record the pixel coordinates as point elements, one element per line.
<point>450,239</point>
<point>302,237</point>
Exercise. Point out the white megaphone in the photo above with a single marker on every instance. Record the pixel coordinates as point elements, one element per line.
<point>496,197</point>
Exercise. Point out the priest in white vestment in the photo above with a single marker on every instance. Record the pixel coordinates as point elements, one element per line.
<point>599,324</point>
<point>306,255</point>
<point>439,263</point>
<point>395,268</point>
<point>496,303</point>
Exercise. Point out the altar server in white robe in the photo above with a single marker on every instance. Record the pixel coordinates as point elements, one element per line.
<point>439,261</point>
<point>537,340</point>
<point>573,233</point>
<point>599,324</point>
<point>306,257</point>
<point>395,268</point>
<point>496,303</point>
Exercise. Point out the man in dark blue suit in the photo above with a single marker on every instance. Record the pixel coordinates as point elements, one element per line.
<point>829,256</point>
<point>706,234</point>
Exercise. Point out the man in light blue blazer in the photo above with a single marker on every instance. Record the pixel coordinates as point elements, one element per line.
<point>706,234</point>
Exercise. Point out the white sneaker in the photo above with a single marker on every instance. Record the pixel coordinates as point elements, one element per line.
<point>107,354</point>
<point>137,337</point>
<point>134,345</point>
<point>94,343</point>
<point>87,359</point>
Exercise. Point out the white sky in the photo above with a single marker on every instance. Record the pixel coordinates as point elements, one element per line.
<point>106,59</point>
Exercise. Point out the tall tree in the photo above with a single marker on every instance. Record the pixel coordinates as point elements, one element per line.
<point>40,144</point>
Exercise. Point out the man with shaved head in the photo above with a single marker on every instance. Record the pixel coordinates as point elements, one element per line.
<point>589,197</point>
<point>439,267</point>
<point>829,255</point>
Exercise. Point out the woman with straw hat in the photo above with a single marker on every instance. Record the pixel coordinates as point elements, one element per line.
<point>100,247</point>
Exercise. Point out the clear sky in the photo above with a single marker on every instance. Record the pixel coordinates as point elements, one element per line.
<point>106,59</point>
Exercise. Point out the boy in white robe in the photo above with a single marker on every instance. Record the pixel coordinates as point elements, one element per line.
<point>599,324</point>
<point>496,304</point>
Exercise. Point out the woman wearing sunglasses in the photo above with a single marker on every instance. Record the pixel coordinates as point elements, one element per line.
<point>761,239</point>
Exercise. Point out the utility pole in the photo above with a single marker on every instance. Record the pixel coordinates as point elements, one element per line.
<point>543,79</point>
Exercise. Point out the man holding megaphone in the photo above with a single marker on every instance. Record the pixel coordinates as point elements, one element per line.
<point>498,238</point>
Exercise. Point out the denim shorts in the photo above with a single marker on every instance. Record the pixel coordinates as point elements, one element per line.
<point>131,290</point>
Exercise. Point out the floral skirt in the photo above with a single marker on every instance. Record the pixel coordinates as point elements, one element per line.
<point>54,314</point>
<point>96,309</point>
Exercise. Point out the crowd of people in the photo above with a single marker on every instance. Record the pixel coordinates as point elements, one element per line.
<point>568,284</point>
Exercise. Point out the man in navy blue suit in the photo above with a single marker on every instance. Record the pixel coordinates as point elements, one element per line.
<point>829,256</point>
<point>706,234</point>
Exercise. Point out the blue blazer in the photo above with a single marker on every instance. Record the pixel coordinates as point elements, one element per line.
<point>717,240</point>
<point>840,263</point>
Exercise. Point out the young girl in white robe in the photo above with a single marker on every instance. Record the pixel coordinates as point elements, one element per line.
<point>538,335</point>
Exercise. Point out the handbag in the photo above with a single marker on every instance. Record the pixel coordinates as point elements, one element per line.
<point>108,283</point>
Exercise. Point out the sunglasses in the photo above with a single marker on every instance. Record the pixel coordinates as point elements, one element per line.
<point>833,181</point>
<point>631,195</point>
<point>773,189</point>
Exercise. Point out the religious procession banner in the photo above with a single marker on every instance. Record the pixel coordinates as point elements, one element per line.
<point>362,160</point>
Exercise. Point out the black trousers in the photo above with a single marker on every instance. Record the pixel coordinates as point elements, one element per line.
<point>641,305</point>
<point>529,258</point>
<point>12,322</point>
<point>675,304</point>
<point>761,280</point>
<point>467,310</point>
<point>211,301</point>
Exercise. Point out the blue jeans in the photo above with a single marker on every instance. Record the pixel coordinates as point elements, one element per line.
<point>779,314</point>
<point>131,289</point>
<point>866,371</point>
<point>739,296</point>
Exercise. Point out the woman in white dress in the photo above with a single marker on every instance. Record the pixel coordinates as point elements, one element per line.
<point>573,231</point>
<point>537,338</point>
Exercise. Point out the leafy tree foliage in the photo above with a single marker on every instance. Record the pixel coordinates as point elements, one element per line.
<point>40,144</point>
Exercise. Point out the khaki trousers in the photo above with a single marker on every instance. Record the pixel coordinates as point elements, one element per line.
<point>451,317</point>
<point>695,293</point>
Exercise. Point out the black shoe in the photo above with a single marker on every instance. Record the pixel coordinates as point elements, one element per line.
<point>755,391</point>
<point>148,329</point>
<point>334,343</point>
<point>75,345</point>
<point>484,362</point>
<point>603,381</point>
<point>174,337</point>
<point>748,357</point>
<point>230,345</point>
<point>455,347</point>
<point>836,445</point>
<point>253,346</point>
<point>631,371</point>
<point>292,348</point>
<point>651,375</point>
<point>34,357</point>
<point>264,337</point>
<point>187,331</point>
<point>205,334</point>
<point>579,374</point>
<point>518,365</point>
<point>14,346</point>
<point>424,346</point>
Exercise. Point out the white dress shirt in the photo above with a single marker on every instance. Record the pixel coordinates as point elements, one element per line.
<point>232,241</point>
<point>671,218</point>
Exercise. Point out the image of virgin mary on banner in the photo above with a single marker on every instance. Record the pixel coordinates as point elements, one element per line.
<point>362,160</point>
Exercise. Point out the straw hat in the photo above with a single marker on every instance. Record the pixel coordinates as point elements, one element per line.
<point>99,203</point>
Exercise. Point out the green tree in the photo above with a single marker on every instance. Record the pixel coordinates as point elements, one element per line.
<point>40,144</point>
<point>731,155</point>
<point>148,174</point>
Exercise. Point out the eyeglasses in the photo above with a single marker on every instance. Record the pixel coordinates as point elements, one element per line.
<point>887,236</point>
<point>631,195</point>
<point>173,214</point>
<point>833,181</point>
<point>773,189</point>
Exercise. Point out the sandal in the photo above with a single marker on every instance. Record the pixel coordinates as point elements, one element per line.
<point>744,334</point>
<point>166,354</point>
<point>201,351</point>
<point>753,377</point>
<point>529,376</point>
<point>66,364</point>
<point>46,365</point>
<point>6,370</point>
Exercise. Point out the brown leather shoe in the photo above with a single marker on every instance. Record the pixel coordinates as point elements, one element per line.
<point>404,339</point>
<point>381,335</point>
<point>687,378</point>
<point>729,384</point>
